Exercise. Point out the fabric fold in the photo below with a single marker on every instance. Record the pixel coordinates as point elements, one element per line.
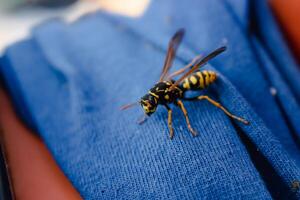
<point>73,78</point>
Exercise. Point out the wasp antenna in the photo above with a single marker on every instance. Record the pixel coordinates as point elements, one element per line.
<point>130,105</point>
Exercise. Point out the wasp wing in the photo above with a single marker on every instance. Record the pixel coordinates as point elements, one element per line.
<point>188,66</point>
<point>198,64</point>
<point>171,53</point>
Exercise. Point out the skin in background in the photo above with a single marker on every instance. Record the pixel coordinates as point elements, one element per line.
<point>287,14</point>
<point>33,172</point>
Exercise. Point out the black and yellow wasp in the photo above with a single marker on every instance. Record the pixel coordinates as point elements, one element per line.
<point>170,91</point>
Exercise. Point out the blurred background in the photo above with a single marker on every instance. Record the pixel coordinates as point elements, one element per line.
<point>18,16</point>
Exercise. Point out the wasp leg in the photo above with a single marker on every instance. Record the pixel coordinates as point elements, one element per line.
<point>222,108</point>
<point>170,121</point>
<point>142,119</point>
<point>180,104</point>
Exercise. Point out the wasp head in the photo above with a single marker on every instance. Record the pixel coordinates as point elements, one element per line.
<point>149,104</point>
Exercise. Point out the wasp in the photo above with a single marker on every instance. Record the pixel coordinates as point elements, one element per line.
<point>169,91</point>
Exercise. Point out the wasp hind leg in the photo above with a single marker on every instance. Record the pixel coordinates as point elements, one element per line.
<point>171,130</point>
<point>218,105</point>
<point>181,106</point>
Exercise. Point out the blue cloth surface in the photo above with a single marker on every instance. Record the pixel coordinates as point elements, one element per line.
<point>69,80</point>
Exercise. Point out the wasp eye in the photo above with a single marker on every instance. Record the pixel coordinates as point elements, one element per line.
<point>146,108</point>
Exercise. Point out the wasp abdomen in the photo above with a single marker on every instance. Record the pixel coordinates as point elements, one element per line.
<point>199,80</point>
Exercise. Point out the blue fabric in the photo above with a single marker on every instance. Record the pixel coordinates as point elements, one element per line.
<point>69,80</point>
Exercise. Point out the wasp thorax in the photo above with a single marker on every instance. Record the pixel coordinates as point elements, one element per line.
<point>149,104</point>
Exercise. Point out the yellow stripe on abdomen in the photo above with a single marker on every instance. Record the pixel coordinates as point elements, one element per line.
<point>193,80</point>
<point>201,80</point>
<point>206,79</point>
<point>186,84</point>
<point>212,76</point>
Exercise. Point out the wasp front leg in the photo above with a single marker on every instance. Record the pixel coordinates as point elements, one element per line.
<point>181,106</point>
<point>171,130</point>
<point>142,119</point>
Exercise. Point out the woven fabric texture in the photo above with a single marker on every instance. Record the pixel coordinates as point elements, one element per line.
<point>68,82</point>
